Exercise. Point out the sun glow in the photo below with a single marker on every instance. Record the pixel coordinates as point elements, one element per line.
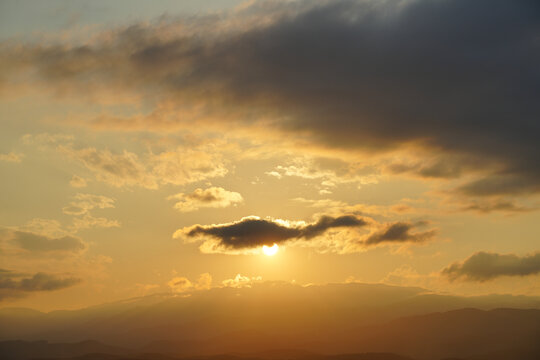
<point>270,250</point>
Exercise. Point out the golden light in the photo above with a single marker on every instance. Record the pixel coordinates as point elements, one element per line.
<point>270,250</point>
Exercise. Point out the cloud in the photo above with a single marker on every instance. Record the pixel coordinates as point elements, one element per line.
<point>404,205</point>
<point>438,167</point>
<point>179,166</point>
<point>13,284</point>
<point>253,232</point>
<point>505,184</point>
<point>77,182</point>
<point>49,227</point>
<point>328,171</point>
<point>88,221</point>
<point>50,239</point>
<point>11,157</point>
<point>321,203</point>
<point>204,282</point>
<point>400,232</point>
<point>184,165</point>
<point>124,169</point>
<point>486,207</point>
<point>37,243</point>
<point>80,208</point>
<point>406,276</point>
<point>83,203</point>
<point>445,76</point>
<point>213,197</point>
<point>484,266</point>
<point>180,284</point>
<point>240,281</point>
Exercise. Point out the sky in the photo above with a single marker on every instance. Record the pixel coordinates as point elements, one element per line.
<point>157,147</point>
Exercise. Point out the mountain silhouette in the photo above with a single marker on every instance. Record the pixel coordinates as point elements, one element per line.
<point>328,319</point>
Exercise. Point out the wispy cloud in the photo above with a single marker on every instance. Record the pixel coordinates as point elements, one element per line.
<point>12,157</point>
<point>77,182</point>
<point>179,166</point>
<point>212,197</point>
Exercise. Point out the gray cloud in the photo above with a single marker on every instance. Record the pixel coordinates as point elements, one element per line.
<point>252,232</point>
<point>37,243</point>
<point>483,266</point>
<point>457,76</point>
<point>400,232</point>
<point>40,243</point>
<point>13,284</point>
<point>445,167</point>
<point>508,184</point>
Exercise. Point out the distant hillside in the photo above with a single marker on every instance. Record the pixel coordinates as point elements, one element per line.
<point>20,350</point>
<point>459,333</point>
<point>330,319</point>
<point>93,350</point>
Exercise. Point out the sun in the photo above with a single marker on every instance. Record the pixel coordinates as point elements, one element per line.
<point>270,250</point>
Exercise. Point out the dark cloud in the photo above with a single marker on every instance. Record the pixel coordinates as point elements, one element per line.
<point>508,184</point>
<point>41,243</point>
<point>444,167</point>
<point>253,232</point>
<point>483,266</point>
<point>13,284</point>
<point>400,232</point>
<point>455,76</point>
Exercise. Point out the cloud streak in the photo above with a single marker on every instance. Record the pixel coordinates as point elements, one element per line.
<point>400,232</point>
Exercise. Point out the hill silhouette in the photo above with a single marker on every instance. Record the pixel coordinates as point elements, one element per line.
<point>328,319</point>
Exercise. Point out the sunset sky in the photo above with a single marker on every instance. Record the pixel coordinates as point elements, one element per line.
<point>156,147</point>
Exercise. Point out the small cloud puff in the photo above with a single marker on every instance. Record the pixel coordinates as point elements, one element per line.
<point>240,281</point>
<point>11,157</point>
<point>180,284</point>
<point>77,182</point>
